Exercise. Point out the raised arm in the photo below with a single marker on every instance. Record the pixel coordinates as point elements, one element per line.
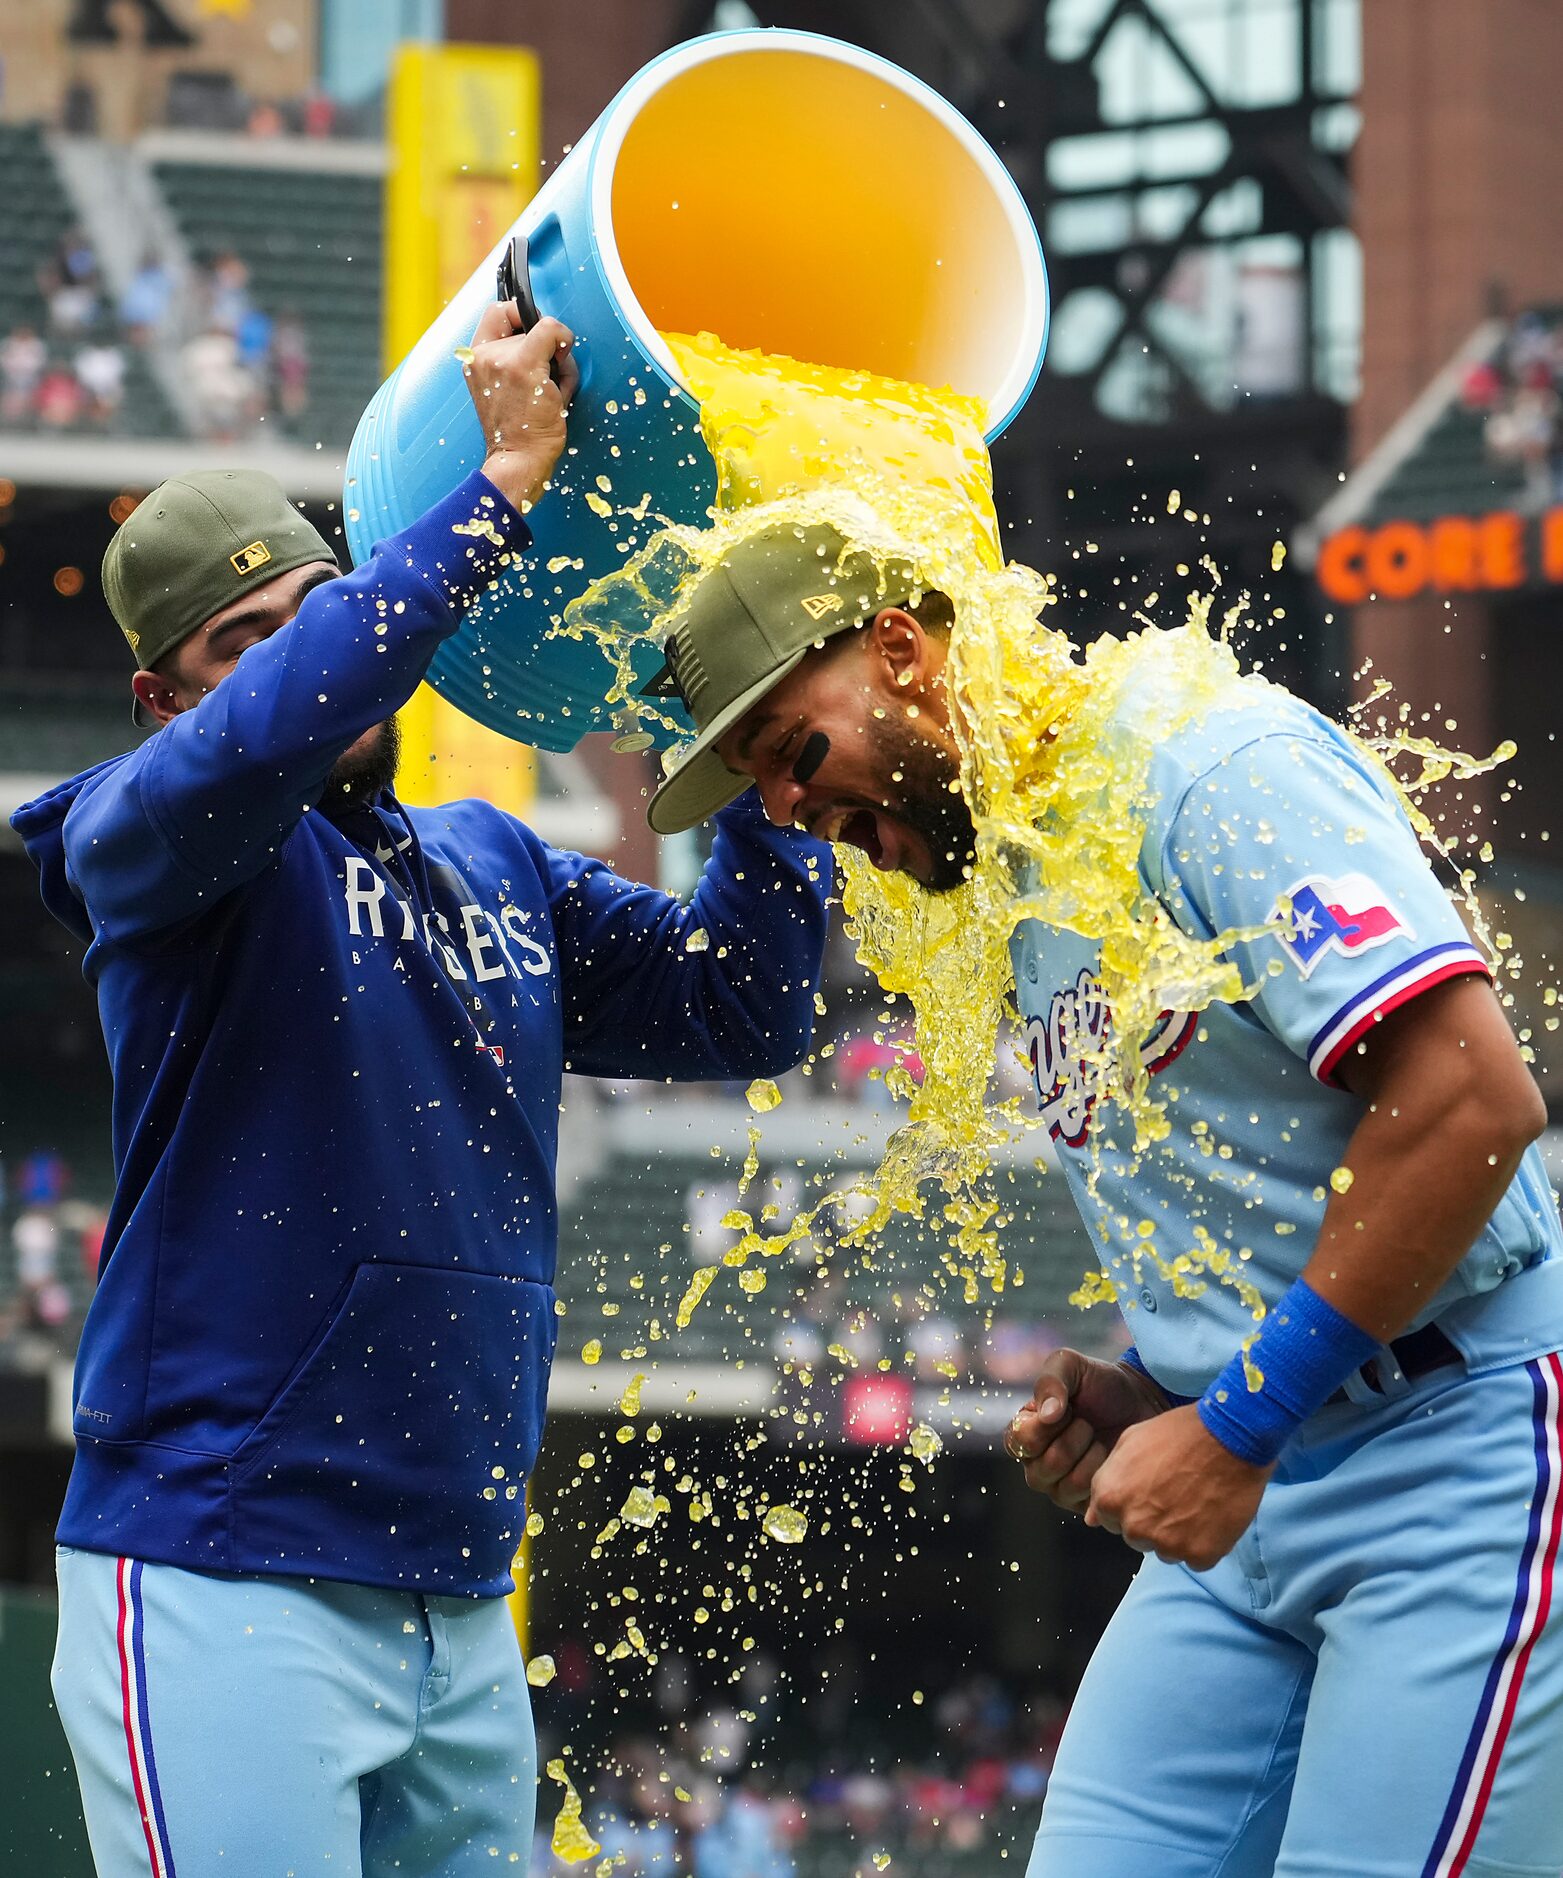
<point>156,841</point>
<point>204,805</point>
<point>723,986</point>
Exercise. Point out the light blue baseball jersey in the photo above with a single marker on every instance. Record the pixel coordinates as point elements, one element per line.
<point>1264,813</point>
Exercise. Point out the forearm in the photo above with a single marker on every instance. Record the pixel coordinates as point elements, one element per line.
<point>1426,1172</point>
<point>1448,1111</point>
<point>723,986</point>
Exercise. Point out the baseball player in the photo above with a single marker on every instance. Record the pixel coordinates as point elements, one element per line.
<point>1341,1655</point>
<point>311,1384</point>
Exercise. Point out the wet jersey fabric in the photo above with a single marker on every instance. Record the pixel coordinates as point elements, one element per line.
<point>1266,823</point>
<point>321,1338</point>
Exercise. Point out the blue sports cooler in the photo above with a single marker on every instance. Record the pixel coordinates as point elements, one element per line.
<point>783,190</point>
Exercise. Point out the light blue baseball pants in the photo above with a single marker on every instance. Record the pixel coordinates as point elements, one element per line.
<point>283,1728</point>
<point>1369,1686</point>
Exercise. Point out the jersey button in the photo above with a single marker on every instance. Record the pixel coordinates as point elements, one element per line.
<point>1147,1297</point>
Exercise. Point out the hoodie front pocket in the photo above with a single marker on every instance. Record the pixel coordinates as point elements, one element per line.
<point>412,1426</point>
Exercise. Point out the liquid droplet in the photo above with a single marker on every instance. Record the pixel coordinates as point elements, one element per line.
<point>641,1507</point>
<point>785,1524</point>
<point>571,1841</point>
<point>925,1443</point>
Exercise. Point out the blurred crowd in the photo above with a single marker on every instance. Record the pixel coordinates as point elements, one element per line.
<point>50,1244</point>
<point>70,375</point>
<point>240,362</point>
<point>1520,395</point>
<point>243,363</point>
<point>692,1789</point>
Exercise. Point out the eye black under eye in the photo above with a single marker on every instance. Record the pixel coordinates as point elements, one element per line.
<point>816,747</point>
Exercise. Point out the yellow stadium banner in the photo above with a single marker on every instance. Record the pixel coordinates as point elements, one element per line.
<point>465,130</point>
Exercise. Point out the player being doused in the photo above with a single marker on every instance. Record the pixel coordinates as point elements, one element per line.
<point>1340,1654</point>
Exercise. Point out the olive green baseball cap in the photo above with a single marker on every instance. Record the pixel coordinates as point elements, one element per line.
<point>748,622</point>
<point>194,546</point>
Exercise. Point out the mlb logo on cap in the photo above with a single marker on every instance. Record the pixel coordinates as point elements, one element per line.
<point>257,554</point>
<point>1348,915</point>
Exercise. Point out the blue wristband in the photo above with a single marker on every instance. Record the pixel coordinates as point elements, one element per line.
<point>1304,1351</point>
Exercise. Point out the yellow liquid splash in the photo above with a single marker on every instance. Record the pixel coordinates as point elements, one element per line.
<point>776,426</point>
<point>572,1841</point>
<point>1055,760</point>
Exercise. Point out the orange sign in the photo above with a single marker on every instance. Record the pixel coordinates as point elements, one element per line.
<point>1454,554</point>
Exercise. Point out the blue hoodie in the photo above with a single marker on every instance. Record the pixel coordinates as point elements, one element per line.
<point>321,1339</point>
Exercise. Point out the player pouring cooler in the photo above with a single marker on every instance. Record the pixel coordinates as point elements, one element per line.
<point>1341,1654</point>
<point>312,1382</point>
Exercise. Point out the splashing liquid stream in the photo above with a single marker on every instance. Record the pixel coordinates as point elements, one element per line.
<point>1055,765</point>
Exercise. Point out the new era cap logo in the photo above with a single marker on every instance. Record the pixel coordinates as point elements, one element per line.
<point>664,684</point>
<point>257,554</point>
<point>817,605</point>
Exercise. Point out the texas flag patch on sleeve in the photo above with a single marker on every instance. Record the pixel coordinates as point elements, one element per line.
<point>1347,914</point>
<point>1341,917</point>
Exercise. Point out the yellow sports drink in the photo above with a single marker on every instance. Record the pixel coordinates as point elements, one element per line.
<point>1055,746</point>
<point>777,427</point>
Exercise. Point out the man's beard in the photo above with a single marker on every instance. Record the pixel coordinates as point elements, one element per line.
<point>931,803</point>
<point>363,773</point>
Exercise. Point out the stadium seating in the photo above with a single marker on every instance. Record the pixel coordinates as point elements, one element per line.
<point>1452,471</point>
<point>624,1245</point>
<point>311,241</point>
<point>35,211</point>
<point>1441,476</point>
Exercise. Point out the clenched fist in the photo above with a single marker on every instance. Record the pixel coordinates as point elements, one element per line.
<point>1077,1411</point>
